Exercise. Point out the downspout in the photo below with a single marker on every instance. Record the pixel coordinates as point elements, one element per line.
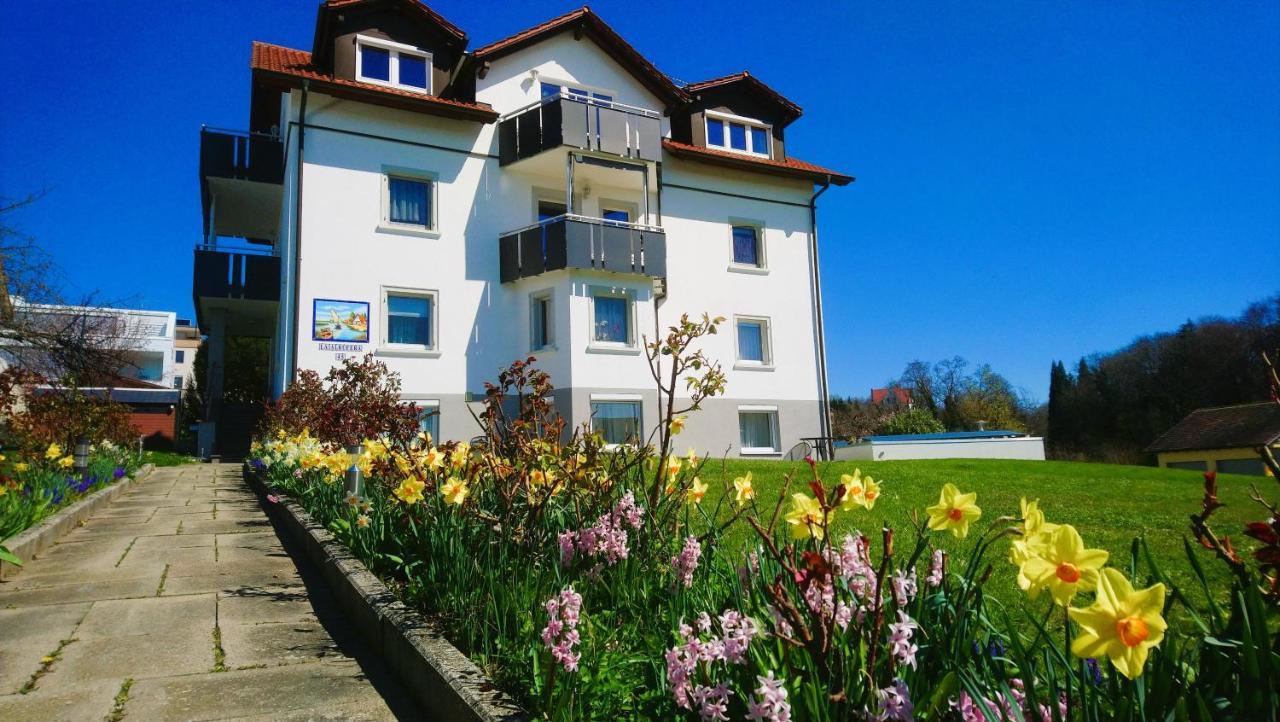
<point>824,401</point>
<point>297,237</point>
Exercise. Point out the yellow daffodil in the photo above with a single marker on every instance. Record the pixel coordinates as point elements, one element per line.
<point>2,457</point>
<point>3,489</point>
<point>362,521</point>
<point>459,455</point>
<point>53,452</point>
<point>677,425</point>
<point>853,489</point>
<point>870,492</point>
<point>696,491</point>
<point>806,517</point>
<point>281,434</point>
<point>744,491</point>
<point>1035,535</point>
<point>21,466</point>
<point>433,459</point>
<point>1122,623</point>
<point>376,448</point>
<point>425,438</point>
<point>455,491</point>
<point>1063,566</point>
<point>66,462</point>
<point>692,460</point>
<point>673,466</point>
<point>954,511</point>
<point>410,490</point>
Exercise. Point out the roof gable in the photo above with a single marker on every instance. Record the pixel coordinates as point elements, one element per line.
<point>583,22</point>
<point>1224,427</point>
<point>743,84</point>
<point>332,12</point>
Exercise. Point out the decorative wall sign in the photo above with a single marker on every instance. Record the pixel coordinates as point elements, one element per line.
<point>340,320</point>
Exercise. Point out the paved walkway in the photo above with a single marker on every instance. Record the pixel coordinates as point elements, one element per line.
<point>179,602</point>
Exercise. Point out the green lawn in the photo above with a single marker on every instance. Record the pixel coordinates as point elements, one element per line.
<point>1109,504</point>
<point>168,458</point>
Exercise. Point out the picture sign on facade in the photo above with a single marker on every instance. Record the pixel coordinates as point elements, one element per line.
<point>345,321</point>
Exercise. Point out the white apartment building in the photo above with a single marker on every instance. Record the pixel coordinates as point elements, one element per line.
<point>550,194</point>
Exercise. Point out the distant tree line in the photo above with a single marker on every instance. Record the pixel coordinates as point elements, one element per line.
<point>1113,405</point>
<point>945,396</point>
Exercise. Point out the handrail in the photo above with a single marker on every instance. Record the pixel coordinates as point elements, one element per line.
<point>243,250</point>
<point>629,109</point>
<point>240,133</point>
<point>586,219</point>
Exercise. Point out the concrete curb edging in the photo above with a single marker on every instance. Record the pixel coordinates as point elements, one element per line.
<point>33,540</point>
<point>439,677</point>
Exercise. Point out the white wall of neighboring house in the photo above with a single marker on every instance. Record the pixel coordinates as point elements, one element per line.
<point>143,337</point>
<point>482,325</point>
<point>1030,448</point>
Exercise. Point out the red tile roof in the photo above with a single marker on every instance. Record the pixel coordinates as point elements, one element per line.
<point>790,166</point>
<point>746,76</point>
<point>607,37</point>
<point>1224,427</point>
<point>900,395</point>
<point>292,66</point>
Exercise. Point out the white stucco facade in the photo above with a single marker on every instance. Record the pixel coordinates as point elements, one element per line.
<point>334,244</point>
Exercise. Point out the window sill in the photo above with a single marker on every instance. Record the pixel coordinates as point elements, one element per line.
<point>751,270</point>
<point>414,231</point>
<point>552,348</point>
<point>759,452</point>
<point>615,350</point>
<point>744,366</point>
<point>406,352</point>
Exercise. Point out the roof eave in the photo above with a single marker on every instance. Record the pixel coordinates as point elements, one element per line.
<point>425,104</point>
<point>817,176</point>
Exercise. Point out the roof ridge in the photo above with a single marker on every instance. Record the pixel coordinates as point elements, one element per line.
<point>1234,406</point>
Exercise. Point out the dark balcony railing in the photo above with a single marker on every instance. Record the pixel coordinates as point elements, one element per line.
<point>242,156</point>
<point>571,241</point>
<point>240,273</point>
<point>584,123</point>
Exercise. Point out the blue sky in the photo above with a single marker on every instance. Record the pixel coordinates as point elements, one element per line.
<point>1036,181</point>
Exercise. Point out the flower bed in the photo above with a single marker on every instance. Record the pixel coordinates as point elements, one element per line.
<point>592,583</point>
<point>35,486</point>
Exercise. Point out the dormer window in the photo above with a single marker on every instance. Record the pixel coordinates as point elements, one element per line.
<point>393,64</point>
<point>737,134</point>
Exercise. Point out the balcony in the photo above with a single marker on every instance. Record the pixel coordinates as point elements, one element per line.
<point>583,123</point>
<point>241,184</point>
<point>572,241</point>
<point>243,284</point>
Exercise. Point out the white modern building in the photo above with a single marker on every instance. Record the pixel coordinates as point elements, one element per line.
<point>550,194</point>
<point>143,341</point>
<point>946,445</point>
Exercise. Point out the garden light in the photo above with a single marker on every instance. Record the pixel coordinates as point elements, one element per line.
<point>354,482</point>
<point>81,455</point>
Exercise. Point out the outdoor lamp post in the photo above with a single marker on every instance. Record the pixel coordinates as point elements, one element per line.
<point>353,472</point>
<point>80,455</point>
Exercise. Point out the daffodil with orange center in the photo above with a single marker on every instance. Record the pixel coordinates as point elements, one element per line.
<point>53,452</point>
<point>677,425</point>
<point>433,459</point>
<point>673,466</point>
<point>66,462</point>
<point>853,490</point>
<point>410,490</point>
<point>1123,623</point>
<point>696,491</point>
<point>743,491</point>
<point>954,511</point>
<point>806,517</point>
<point>1063,566</point>
<point>455,491</point>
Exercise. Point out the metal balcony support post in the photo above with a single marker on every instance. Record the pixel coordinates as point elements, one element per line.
<point>568,183</point>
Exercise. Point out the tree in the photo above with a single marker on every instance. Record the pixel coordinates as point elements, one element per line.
<point>911,421</point>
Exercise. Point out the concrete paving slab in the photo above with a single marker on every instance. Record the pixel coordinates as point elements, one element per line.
<point>175,616</point>
<point>88,701</point>
<point>27,635</point>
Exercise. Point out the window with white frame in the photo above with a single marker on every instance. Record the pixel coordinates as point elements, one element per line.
<point>758,429</point>
<point>740,135</point>
<point>428,417</point>
<point>617,420</point>
<point>748,245</point>
<point>395,64</point>
<point>541,321</point>
<point>549,89</point>
<point>409,319</point>
<point>612,318</point>
<point>754,346</point>
<point>408,202</point>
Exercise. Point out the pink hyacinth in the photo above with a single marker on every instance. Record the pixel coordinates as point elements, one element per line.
<point>895,703</point>
<point>686,562</point>
<point>607,538</point>
<point>561,633</point>
<point>729,647</point>
<point>935,569</point>
<point>770,701</point>
<point>900,640</point>
<point>904,587</point>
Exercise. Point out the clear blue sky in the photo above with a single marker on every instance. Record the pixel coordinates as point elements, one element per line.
<point>1036,181</point>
